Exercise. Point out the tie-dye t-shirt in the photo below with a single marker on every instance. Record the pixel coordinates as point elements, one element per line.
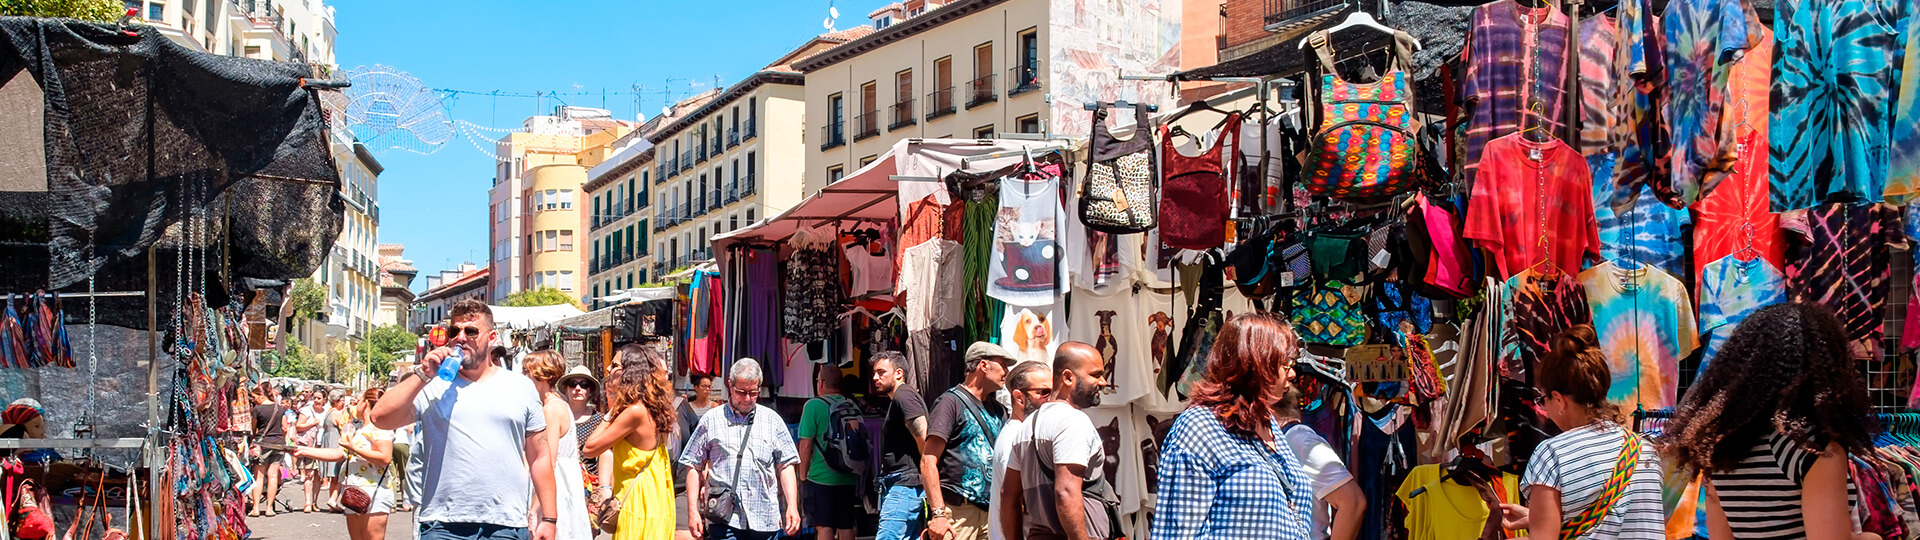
<point>1645,321</point>
<point>1737,208</point>
<point>1731,290</point>
<point>1837,256</point>
<point>1647,232</point>
<point>1837,62</point>
<point>1516,193</point>
<point>1538,307</point>
<point>1903,176</point>
<point>1703,39</point>
<point>1602,87</point>
<point>1513,55</point>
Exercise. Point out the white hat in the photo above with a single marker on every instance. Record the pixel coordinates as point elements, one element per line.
<point>577,371</point>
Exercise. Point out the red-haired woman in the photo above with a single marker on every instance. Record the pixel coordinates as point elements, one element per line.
<point>1223,471</point>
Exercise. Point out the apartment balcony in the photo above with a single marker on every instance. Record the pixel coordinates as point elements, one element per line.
<point>746,185</point>
<point>981,91</point>
<point>719,144</point>
<point>748,132</point>
<point>714,202</point>
<point>1288,16</point>
<point>641,202</point>
<point>700,153</point>
<point>832,135</point>
<point>686,159</point>
<point>869,124</point>
<point>733,194</point>
<point>902,115</point>
<point>733,137</point>
<point>940,103</point>
<point>659,173</point>
<point>1023,79</point>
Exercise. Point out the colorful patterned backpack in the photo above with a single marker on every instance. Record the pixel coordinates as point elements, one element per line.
<point>1367,145</point>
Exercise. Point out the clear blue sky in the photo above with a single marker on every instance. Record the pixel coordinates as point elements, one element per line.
<point>437,204</point>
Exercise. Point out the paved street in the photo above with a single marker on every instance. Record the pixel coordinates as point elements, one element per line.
<point>296,525</point>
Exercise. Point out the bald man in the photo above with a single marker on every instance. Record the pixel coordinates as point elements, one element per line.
<point>1056,468</point>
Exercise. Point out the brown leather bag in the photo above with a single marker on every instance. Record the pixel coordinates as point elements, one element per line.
<point>608,515</point>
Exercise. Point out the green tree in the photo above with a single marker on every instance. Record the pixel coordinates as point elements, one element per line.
<point>90,10</point>
<point>339,364</point>
<point>296,362</point>
<point>544,296</point>
<point>306,300</point>
<point>386,344</point>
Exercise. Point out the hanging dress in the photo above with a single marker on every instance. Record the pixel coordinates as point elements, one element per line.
<point>645,481</point>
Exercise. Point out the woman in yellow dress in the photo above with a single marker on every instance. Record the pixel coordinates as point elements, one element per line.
<point>637,435</point>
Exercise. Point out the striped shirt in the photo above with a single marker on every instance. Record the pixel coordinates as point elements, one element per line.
<point>1761,495</point>
<point>1578,464</point>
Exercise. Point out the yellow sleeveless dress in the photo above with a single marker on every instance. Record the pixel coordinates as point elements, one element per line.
<point>645,482</point>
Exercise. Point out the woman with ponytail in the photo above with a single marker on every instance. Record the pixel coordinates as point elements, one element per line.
<point>1595,479</point>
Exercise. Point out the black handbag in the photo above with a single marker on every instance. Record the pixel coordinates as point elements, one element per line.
<point>722,502</point>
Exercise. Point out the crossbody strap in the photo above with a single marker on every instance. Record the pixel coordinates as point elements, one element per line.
<point>742,455</point>
<point>973,408</point>
<point>1610,494</point>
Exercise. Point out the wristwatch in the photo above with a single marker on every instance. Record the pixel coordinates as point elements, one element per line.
<point>942,512</point>
<point>417,372</point>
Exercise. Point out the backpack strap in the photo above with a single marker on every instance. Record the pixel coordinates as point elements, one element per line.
<point>1402,50</point>
<point>974,409</point>
<point>1322,48</point>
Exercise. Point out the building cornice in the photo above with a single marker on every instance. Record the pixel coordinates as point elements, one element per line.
<point>742,88</point>
<point>638,162</point>
<point>901,30</point>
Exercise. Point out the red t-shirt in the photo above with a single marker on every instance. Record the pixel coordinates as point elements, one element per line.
<point>1513,194</point>
<point>1721,220</point>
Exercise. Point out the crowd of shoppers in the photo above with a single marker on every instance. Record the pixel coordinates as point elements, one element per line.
<point>1010,453</point>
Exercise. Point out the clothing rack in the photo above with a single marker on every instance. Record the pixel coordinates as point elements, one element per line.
<point>122,442</point>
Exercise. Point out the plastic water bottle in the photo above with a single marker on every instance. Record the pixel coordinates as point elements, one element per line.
<point>450,366</point>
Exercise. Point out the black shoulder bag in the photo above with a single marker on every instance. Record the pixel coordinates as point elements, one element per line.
<point>1100,506</point>
<point>722,502</point>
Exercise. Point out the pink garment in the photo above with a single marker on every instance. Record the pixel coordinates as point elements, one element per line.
<point>703,352</point>
<point>1448,268</point>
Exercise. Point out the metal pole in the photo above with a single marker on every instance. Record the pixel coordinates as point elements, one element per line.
<point>155,450</point>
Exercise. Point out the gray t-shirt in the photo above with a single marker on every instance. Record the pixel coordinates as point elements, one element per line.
<point>1055,434</point>
<point>475,463</point>
<point>717,440</point>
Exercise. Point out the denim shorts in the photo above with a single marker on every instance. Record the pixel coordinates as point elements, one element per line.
<point>440,530</point>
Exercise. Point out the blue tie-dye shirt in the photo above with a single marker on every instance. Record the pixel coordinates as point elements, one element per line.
<point>1730,290</point>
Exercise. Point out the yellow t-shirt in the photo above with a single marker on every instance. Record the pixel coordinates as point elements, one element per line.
<point>1449,511</point>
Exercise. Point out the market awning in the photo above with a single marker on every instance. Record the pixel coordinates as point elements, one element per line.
<point>522,318</point>
<point>863,195</point>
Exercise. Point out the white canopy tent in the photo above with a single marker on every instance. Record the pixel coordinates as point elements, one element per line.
<point>525,318</point>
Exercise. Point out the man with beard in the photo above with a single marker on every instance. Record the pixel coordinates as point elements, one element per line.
<point>480,427</point>
<point>1052,467</point>
<point>901,496</point>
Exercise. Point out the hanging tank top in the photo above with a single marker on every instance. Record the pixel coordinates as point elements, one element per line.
<point>1193,193</point>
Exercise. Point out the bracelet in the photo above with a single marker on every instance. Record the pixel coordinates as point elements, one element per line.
<point>417,372</point>
<point>550,520</point>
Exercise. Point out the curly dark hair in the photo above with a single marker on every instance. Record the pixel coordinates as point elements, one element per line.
<point>1786,369</point>
<point>642,381</point>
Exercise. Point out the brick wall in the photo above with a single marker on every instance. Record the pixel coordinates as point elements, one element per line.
<point>1246,21</point>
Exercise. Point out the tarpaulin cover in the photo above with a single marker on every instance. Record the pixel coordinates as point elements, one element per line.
<point>522,318</point>
<point>139,131</point>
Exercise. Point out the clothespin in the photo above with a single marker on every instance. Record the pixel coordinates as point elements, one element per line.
<point>128,16</point>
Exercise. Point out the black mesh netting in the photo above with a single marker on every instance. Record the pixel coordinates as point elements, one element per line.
<point>140,131</point>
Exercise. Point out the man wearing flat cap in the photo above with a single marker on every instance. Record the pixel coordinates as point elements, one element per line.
<point>956,458</point>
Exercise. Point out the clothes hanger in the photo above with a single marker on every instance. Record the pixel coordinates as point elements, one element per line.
<point>1361,19</point>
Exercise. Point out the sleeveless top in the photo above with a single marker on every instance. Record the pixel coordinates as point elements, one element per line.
<point>570,491</point>
<point>1193,192</point>
<point>644,483</point>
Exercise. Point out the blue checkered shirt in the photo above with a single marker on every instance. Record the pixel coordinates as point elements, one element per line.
<point>1218,485</point>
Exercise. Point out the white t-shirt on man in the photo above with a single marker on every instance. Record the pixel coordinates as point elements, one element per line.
<point>1057,434</point>
<point>475,468</point>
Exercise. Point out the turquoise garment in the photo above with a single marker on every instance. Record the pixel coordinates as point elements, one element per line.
<point>1646,232</point>
<point>1730,290</point>
<point>1835,72</point>
<point>1703,39</point>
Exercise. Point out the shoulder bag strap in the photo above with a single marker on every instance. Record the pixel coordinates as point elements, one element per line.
<point>1323,49</point>
<point>1610,494</point>
<point>973,408</point>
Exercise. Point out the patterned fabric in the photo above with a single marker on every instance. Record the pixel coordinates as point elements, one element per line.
<point>1703,39</point>
<point>1516,193</point>
<point>1512,54</point>
<point>1730,290</point>
<point>1903,177</point>
<point>1616,486</point>
<point>1395,304</point>
<point>1365,145</point>
<point>1837,66</point>
<point>1644,318</point>
<point>1538,307</point>
<point>1602,86</point>
<point>718,443</point>
<point>812,293</point>
<point>1645,148</point>
<point>1647,232</point>
<point>1837,256</point>
<point>1734,216</point>
<point>1214,484</point>
<point>1331,314</point>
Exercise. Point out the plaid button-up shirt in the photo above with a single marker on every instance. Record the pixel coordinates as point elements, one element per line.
<point>1218,485</point>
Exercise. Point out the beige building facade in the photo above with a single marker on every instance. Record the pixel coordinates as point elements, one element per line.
<point>280,30</point>
<point>537,218</point>
<point>621,191</point>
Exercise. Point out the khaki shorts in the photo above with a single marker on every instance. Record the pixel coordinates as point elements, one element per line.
<point>971,523</point>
